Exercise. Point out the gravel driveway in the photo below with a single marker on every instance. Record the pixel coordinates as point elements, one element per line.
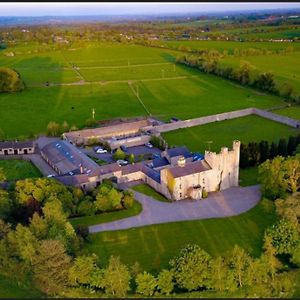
<point>230,202</point>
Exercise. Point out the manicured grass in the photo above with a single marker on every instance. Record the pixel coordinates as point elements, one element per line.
<point>19,169</point>
<point>248,176</point>
<point>11,289</point>
<point>246,129</point>
<point>153,246</point>
<point>147,190</point>
<point>108,217</point>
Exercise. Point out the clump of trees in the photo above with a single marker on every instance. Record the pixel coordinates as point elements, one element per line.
<point>255,153</point>
<point>10,81</point>
<point>280,176</point>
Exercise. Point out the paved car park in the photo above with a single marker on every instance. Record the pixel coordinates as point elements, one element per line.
<point>136,151</point>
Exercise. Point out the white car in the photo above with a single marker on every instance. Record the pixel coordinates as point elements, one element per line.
<point>101,151</point>
<point>149,145</point>
<point>122,162</point>
<point>50,175</point>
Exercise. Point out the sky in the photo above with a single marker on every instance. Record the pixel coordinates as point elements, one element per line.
<point>33,9</point>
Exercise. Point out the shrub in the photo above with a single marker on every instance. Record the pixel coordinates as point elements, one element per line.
<point>10,81</point>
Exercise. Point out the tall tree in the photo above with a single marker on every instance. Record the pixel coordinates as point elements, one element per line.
<point>192,268</point>
<point>50,267</point>
<point>146,284</point>
<point>165,282</point>
<point>282,147</point>
<point>116,278</point>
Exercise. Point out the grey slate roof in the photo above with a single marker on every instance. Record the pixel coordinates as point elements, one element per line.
<point>184,151</point>
<point>16,145</point>
<point>190,168</point>
<point>67,158</point>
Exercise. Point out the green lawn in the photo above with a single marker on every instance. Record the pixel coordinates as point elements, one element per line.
<point>19,169</point>
<point>246,129</point>
<point>11,289</point>
<point>248,176</point>
<point>153,246</point>
<point>292,112</point>
<point>147,190</point>
<point>108,217</point>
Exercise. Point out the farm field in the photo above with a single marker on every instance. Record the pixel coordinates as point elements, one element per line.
<point>246,129</point>
<point>285,67</point>
<point>19,169</point>
<point>230,45</point>
<point>180,92</point>
<point>153,246</point>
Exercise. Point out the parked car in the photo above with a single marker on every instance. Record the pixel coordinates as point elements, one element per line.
<point>122,162</point>
<point>101,151</point>
<point>50,175</point>
<point>149,145</point>
<point>123,148</point>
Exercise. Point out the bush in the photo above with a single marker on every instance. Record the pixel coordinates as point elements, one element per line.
<point>10,81</point>
<point>119,154</point>
<point>82,231</point>
<point>86,208</point>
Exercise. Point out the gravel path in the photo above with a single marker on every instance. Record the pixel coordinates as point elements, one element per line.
<point>230,202</point>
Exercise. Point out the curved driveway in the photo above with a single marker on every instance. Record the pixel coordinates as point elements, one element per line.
<point>230,202</point>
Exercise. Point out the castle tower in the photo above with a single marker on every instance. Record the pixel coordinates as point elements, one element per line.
<point>226,162</point>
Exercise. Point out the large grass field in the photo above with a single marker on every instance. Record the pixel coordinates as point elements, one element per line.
<point>153,246</point>
<point>246,129</point>
<point>19,169</point>
<point>229,45</point>
<point>165,89</point>
<point>285,67</point>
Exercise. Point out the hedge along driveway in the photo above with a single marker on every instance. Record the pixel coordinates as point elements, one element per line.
<point>226,203</point>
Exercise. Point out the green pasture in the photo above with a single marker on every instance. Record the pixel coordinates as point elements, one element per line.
<point>31,110</point>
<point>229,45</point>
<point>19,169</point>
<point>198,96</point>
<point>153,246</point>
<point>285,67</point>
<point>246,129</point>
<point>181,91</point>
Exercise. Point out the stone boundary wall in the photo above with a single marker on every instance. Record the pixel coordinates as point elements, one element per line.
<point>15,157</point>
<point>277,118</point>
<point>227,116</point>
<point>130,142</point>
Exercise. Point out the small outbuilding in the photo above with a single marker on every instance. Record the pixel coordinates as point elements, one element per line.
<point>17,148</point>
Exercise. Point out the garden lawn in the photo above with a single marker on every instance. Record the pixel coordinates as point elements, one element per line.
<point>248,176</point>
<point>108,217</point>
<point>10,289</point>
<point>19,169</point>
<point>147,190</point>
<point>153,246</point>
<point>246,129</point>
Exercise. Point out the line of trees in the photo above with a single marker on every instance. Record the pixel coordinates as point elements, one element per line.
<point>244,75</point>
<point>255,153</point>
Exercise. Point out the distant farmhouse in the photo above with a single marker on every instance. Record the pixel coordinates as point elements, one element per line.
<point>17,148</point>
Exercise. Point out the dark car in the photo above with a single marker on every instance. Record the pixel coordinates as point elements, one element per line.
<point>123,148</point>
